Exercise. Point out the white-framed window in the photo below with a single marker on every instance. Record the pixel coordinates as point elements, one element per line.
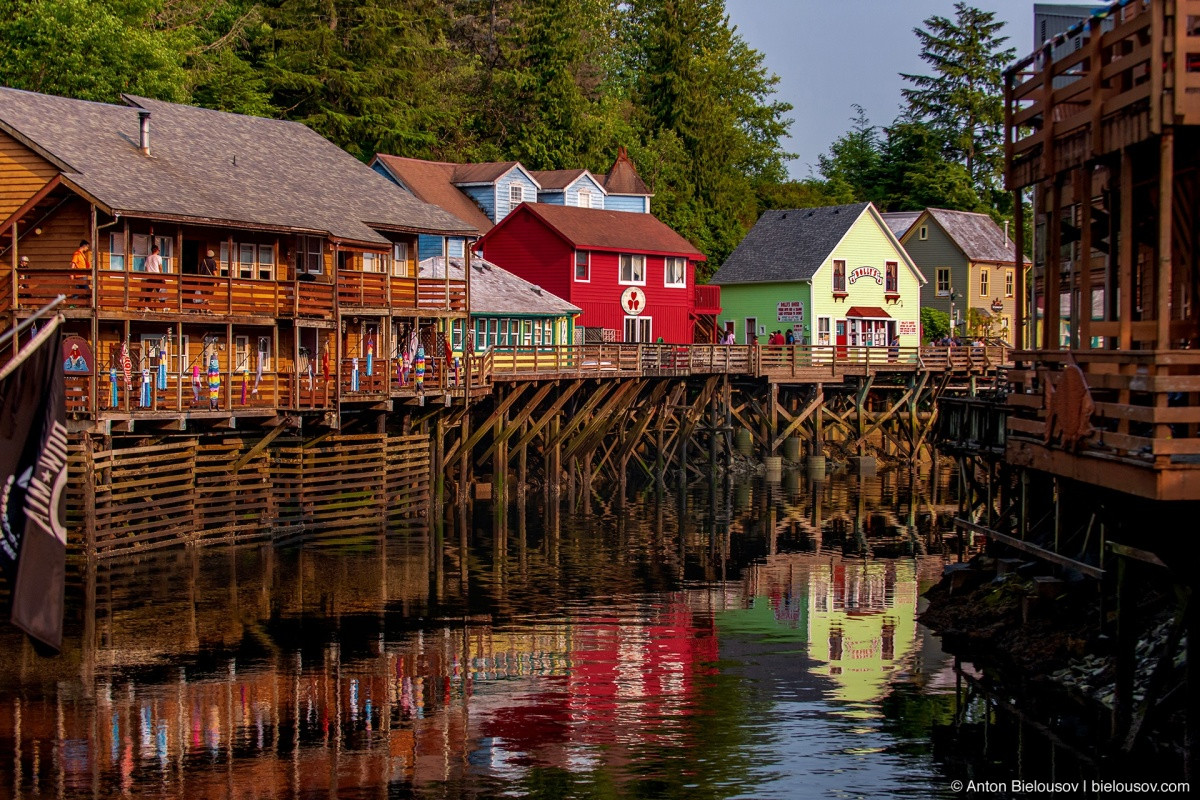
<point>823,330</point>
<point>516,195</point>
<point>141,250</point>
<point>166,251</point>
<point>943,281</point>
<point>263,352</point>
<point>266,262</point>
<point>583,263</point>
<point>456,334</point>
<point>246,260</point>
<point>1008,283</point>
<point>983,282</point>
<point>633,269</point>
<point>154,350</point>
<point>526,332</point>
<point>493,331</point>
<point>372,262</point>
<point>537,333</point>
<point>585,198</point>
<point>241,354</point>
<point>223,261</point>
<point>184,366</point>
<point>116,251</point>
<point>400,259</point>
<point>505,341</point>
<point>481,327</point>
<point>923,233</point>
<point>311,255</point>
<point>674,271</point>
<point>639,329</point>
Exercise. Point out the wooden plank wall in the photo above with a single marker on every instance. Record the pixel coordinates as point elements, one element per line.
<point>192,491</point>
<point>22,174</point>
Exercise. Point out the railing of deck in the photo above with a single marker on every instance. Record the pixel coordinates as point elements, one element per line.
<point>708,298</point>
<point>368,289</point>
<point>1145,408</point>
<point>38,287</point>
<point>237,390</point>
<point>438,293</point>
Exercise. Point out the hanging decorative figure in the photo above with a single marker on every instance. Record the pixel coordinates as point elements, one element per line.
<point>196,384</point>
<point>145,388</point>
<point>258,369</point>
<point>354,375</point>
<point>214,382</point>
<point>371,356</point>
<point>457,365</point>
<point>112,377</point>
<point>420,368</point>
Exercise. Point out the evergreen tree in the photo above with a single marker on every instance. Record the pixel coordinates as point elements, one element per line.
<point>851,166</point>
<point>913,172</point>
<point>963,98</point>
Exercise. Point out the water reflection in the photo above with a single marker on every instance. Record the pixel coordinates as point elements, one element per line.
<point>737,642</point>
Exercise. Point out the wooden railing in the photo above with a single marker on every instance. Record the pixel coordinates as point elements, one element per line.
<point>404,292</point>
<point>374,384</point>
<point>1142,413</point>
<point>238,390</point>
<point>438,293</point>
<point>38,287</point>
<point>708,299</point>
<point>362,289</point>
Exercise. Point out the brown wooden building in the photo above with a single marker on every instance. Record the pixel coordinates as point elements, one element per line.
<point>1108,138</point>
<point>312,305</point>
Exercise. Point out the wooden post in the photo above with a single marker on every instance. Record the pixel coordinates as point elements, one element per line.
<point>1163,279</point>
<point>1125,655</point>
<point>1053,269</point>
<point>773,420</point>
<point>1019,267</point>
<point>1125,254</point>
<point>1081,330</point>
<point>437,513</point>
<point>500,472</point>
<point>89,498</point>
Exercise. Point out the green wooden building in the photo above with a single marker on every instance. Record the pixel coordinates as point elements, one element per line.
<point>835,276</point>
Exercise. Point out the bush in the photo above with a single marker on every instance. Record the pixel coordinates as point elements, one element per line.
<point>934,324</point>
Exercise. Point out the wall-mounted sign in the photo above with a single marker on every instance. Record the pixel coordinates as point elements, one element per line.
<point>907,327</point>
<point>865,272</point>
<point>77,355</point>
<point>790,311</point>
<point>633,301</point>
<point>997,305</point>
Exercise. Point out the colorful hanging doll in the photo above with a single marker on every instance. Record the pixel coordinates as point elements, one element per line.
<point>243,388</point>
<point>420,368</point>
<point>162,367</point>
<point>127,367</point>
<point>325,365</point>
<point>371,356</point>
<point>214,381</point>
<point>196,384</point>
<point>354,375</point>
<point>401,376</point>
<point>145,388</point>
<point>112,377</point>
<point>457,366</point>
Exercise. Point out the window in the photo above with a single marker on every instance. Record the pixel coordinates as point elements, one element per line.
<point>224,260</point>
<point>493,331</point>
<point>166,251</point>
<point>582,263</point>
<point>823,330</point>
<point>633,269</point>
<point>241,354</point>
<point>943,281</point>
<point>675,272</point>
<point>456,334</point>
<point>246,262</point>
<point>1008,283</point>
<point>537,333</point>
<point>116,251</point>
<point>400,259</point>
<point>639,329</point>
<point>505,341</point>
<point>839,277</point>
<point>585,198</point>
<point>516,195</point>
<point>141,249</point>
<point>481,327</point>
<point>184,366</point>
<point>983,282</point>
<point>526,332</point>
<point>892,283</point>
<point>923,232</point>
<point>372,262</point>
<point>245,360</point>
<point>266,262</point>
<point>311,255</point>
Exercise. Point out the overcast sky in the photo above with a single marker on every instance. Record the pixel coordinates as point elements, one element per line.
<point>831,54</point>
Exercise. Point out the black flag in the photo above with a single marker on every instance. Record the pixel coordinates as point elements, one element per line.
<point>33,477</point>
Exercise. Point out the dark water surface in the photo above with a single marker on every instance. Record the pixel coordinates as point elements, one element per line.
<point>739,643</point>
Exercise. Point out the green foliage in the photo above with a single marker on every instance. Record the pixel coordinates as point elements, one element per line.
<point>934,324</point>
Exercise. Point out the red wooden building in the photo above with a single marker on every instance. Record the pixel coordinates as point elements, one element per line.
<point>633,276</point>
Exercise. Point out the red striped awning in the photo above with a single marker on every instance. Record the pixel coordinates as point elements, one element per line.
<point>868,312</point>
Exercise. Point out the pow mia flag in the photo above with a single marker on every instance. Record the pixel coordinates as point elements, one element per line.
<point>33,476</point>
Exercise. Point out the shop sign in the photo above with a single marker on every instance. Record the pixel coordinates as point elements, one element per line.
<point>633,301</point>
<point>865,272</point>
<point>907,327</point>
<point>790,311</point>
<point>997,305</point>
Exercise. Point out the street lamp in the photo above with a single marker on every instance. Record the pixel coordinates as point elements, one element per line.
<point>953,296</point>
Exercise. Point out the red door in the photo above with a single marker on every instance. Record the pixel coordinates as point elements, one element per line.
<point>841,338</point>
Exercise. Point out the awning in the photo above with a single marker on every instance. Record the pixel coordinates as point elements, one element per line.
<point>868,312</point>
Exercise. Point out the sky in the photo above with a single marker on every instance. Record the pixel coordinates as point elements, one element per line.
<point>829,55</point>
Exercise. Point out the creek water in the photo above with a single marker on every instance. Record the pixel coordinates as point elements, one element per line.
<point>733,640</point>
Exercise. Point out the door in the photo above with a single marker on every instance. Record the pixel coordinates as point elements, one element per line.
<point>638,329</point>
<point>840,329</point>
<point>751,330</point>
<point>190,259</point>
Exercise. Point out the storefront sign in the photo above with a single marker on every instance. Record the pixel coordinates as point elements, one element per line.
<point>633,301</point>
<point>907,327</point>
<point>790,311</point>
<point>865,272</point>
<point>997,305</point>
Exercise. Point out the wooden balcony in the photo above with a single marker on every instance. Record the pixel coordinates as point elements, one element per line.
<point>1145,437</point>
<point>363,386</point>
<point>239,391</point>
<point>1137,71</point>
<point>441,295</point>
<point>707,300</point>
<point>37,287</point>
<point>362,289</point>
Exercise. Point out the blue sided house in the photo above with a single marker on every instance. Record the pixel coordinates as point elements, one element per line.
<point>484,194</point>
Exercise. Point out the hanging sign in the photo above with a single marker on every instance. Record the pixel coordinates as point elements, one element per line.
<point>77,355</point>
<point>633,301</point>
<point>790,311</point>
<point>907,327</point>
<point>997,305</point>
<point>865,272</point>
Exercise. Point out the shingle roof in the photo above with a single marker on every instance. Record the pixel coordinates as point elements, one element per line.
<point>598,229</point>
<point>219,167</point>
<point>495,290</point>
<point>556,178</point>
<point>788,245</point>
<point>623,178</point>
<point>484,172</point>
<point>977,235</point>
<point>900,221</point>
<point>433,182</point>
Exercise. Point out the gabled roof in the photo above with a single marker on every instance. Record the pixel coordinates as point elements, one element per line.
<point>977,235</point>
<point>433,182</point>
<point>486,172</point>
<point>495,290</point>
<point>599,229</point>
<point>215,167</point>
<point>788,244</point>
<point>559,179</point>
<point>623,178</point>
<point>900,221</point>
